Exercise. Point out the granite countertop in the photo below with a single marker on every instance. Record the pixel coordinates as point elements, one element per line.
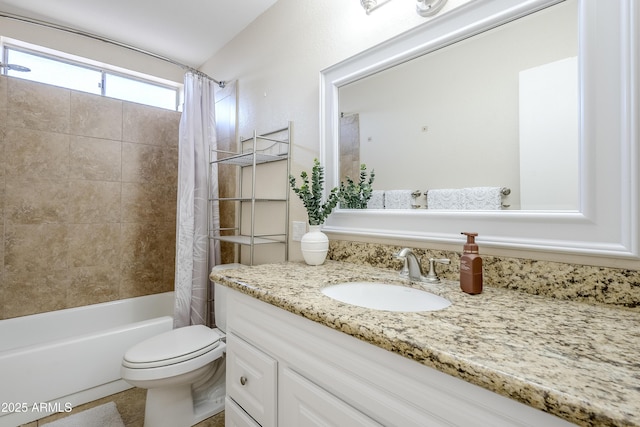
<point>578,361</point>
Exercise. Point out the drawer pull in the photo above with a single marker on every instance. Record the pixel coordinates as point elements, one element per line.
<point>243,380</point>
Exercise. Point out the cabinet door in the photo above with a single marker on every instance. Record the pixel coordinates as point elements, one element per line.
<point>304,404</point>
<point>251,380</point>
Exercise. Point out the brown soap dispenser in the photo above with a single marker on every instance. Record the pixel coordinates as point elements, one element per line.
<point>471,266</point>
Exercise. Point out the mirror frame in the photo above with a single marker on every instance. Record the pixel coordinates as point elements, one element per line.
<point>606,223</point>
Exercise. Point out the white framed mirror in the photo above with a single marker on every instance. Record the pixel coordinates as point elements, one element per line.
<point>601,215</point>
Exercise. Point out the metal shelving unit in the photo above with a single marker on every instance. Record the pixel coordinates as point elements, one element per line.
<point>274,146</point>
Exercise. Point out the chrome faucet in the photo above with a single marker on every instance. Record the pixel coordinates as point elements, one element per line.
<point>413,269</point>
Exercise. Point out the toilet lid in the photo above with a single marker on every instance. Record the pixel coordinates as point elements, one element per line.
<point>172,347</point>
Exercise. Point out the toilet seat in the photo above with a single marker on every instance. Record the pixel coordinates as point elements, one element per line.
<point>173,353</point>
<point>175,346</point>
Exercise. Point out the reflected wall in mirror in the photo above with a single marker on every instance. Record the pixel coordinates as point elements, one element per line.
<point>499,109</point>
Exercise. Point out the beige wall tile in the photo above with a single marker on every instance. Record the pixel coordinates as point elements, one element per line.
<point>142,245</point>
<point>34,248</point>
<point>92,245</point>
<point>37,106</point>
<point>150,125</point>
<point>3,99</point>
<point>37,201</point>
<point>92,285</point>
<point>3,155</point>
<point>142,163</point>
<point>2,174</point>
<point>143,258</point>
<point>96,116</point>
<point>170,175</point>
<point>168,230</point>
<point>143,202</point>
<point>94,201</point>
<point>171,202</point>
<point>2,209</point>
<point>63,200</point>
<point>36,154</point>
<point>28,292</point>
<point>95,158</point>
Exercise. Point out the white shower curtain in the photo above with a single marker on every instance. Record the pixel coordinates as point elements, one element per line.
<point>195,253</point>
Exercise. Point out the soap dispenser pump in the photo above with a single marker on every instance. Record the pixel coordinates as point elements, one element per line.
<point>471,266</point>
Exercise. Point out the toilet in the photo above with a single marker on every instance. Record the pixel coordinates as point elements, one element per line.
<point>183,371</point>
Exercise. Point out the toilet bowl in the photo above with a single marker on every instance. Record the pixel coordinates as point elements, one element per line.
<point>182,370</point>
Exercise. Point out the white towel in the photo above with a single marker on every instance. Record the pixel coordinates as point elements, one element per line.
<point>398,199</point>
<point>377,200</point>
<point>482,198</point>
<point>446,198</point>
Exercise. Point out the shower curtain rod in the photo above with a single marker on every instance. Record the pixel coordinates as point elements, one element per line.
<point>106,40</point>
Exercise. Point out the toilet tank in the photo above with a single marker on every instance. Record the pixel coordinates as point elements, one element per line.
<point>220,297</point>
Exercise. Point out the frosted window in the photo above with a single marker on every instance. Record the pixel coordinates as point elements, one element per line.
<point>55,72</point>
<point>137,91</point>
<point>76,75</point>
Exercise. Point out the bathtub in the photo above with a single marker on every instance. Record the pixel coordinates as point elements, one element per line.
<point>52,362</point>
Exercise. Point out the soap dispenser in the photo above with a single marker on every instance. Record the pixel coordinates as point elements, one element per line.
<point>471,266</point>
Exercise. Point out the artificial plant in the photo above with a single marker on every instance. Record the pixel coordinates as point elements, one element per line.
<point>356,196</point>
<point>311,194</point>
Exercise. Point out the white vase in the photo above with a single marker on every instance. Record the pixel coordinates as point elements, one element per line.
<point>314,245</point>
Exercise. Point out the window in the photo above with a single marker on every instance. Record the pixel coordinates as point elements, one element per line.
<point>122,87</point>
<point>88,77</point>
<point>54,72</point>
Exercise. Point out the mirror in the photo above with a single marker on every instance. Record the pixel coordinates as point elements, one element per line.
<point>499,109</point>
<point>600,216</point>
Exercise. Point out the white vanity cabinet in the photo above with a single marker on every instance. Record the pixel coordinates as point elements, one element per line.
<point>251,381</point>
<point>307,374</point>
<point>303,403</point>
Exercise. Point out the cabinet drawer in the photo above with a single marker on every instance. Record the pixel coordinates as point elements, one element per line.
<point>251,380</point>
<point>234,415</point>
<point>303,403</point>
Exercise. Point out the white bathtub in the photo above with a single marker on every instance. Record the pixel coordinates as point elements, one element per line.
<point>52,362</point>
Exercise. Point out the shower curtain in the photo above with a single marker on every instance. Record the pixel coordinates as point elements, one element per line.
<point>196,254</point>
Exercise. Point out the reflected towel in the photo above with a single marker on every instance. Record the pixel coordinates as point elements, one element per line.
<point>446,198</point>
<point>398,199</point>
<point>377,200</point>
<point>482,198</point>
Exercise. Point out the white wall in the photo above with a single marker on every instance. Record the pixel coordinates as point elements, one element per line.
<point>549,166</point>
<point>88,48</point>
<point>278,58</point>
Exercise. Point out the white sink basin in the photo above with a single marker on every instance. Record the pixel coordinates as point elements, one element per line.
<point>382,296</point>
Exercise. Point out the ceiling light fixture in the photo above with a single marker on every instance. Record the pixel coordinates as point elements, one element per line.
<point>423,7</point>
<point>371,5</point>
<point>429,7</point>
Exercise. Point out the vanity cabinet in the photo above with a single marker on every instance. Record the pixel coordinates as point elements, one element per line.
<point>251,380</point>
<point>305,373</point>
<point>235,416</point>
<point>303,403</point>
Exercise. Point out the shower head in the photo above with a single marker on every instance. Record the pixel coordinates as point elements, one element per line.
<point>15,67</point>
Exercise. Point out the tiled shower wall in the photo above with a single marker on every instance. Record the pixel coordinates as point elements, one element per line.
<point>87,198</point>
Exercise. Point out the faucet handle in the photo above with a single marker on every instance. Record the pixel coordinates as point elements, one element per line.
<point>432,276</point>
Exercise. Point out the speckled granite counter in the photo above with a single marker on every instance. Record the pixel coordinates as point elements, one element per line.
<point>578,361</point>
